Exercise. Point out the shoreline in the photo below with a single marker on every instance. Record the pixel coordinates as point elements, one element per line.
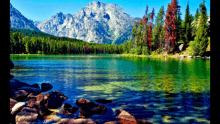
<point>175,56</point>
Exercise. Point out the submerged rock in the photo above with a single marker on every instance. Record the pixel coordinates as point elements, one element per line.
<point>76,121</point>
<point>103,101</point>
<point>111,122</point>
<point>82,101</point>
<point>88,108</point>
<point>33,90</point>
<point>46,87</point>
<point>52,119</point>
<point>67,109</point>
<point>14,84</point>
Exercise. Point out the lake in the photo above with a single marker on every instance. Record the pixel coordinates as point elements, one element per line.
<point>155,89</point>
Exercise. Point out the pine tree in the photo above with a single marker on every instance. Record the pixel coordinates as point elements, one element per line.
<point>158,34</point>
<point>200,42</point>
<point>195,22</point>
<point>187,25</point>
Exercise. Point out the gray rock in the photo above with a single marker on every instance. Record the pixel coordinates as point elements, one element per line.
<point>97,22</point>
<point>181,47</point>
<point>182,56</point>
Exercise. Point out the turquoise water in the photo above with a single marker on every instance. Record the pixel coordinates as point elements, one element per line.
<point>154,89</point>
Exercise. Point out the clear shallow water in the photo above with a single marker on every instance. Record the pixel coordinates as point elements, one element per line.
<point>157,90</point>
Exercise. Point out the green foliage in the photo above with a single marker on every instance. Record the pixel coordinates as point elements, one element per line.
<point>138,50</point>
<point>201,39</point>
<point>145,51</point>
<point>20,43</point>
<point>132,51</point>
<point>158,31</point>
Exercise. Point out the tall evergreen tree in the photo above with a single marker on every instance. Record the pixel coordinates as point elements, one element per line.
<point>200,42</point>
<point>158,34</point>
<point>187,25</point>
<point>195,22</point>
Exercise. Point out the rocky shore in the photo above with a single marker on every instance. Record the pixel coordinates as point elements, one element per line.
<point>29,104</point>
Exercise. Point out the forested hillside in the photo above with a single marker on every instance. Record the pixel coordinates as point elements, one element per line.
<point>32,42</point>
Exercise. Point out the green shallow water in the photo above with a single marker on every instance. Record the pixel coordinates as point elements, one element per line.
<point>174,90</point>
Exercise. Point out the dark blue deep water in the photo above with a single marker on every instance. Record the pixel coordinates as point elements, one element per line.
<point>154,89</point>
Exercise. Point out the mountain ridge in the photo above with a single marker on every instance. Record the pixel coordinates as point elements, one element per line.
<point>96,22</point>
<point>17,20</point>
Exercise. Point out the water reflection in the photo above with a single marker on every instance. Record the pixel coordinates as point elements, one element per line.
<point>149,88</point>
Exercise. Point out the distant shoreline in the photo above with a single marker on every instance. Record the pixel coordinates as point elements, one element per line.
<point>121,55</point>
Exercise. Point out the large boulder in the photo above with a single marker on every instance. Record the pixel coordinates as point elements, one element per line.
<point>27,115</point>
<point>40,107</point>
<point>44,102</point>
<point>76,121</point>
<point>181,46</point>
<point>67,109</point>
<point>88,108</point>
<point>46,87</point>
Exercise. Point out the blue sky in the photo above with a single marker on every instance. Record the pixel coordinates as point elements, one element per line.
<point>40,10</point>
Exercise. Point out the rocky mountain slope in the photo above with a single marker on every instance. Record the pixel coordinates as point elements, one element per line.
<point>17,20</point>
<point>97,22</point>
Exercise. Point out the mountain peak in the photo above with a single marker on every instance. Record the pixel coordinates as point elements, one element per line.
<point>96,3</point>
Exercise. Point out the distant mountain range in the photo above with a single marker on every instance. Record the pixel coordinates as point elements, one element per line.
<point>17,20</point>
<point>97,22</point>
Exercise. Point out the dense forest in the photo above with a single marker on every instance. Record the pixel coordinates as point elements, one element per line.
<point>168,33</point>
<point>32,42</point>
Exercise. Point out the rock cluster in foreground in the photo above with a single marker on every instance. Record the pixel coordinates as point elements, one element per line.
<point>28,104</point>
